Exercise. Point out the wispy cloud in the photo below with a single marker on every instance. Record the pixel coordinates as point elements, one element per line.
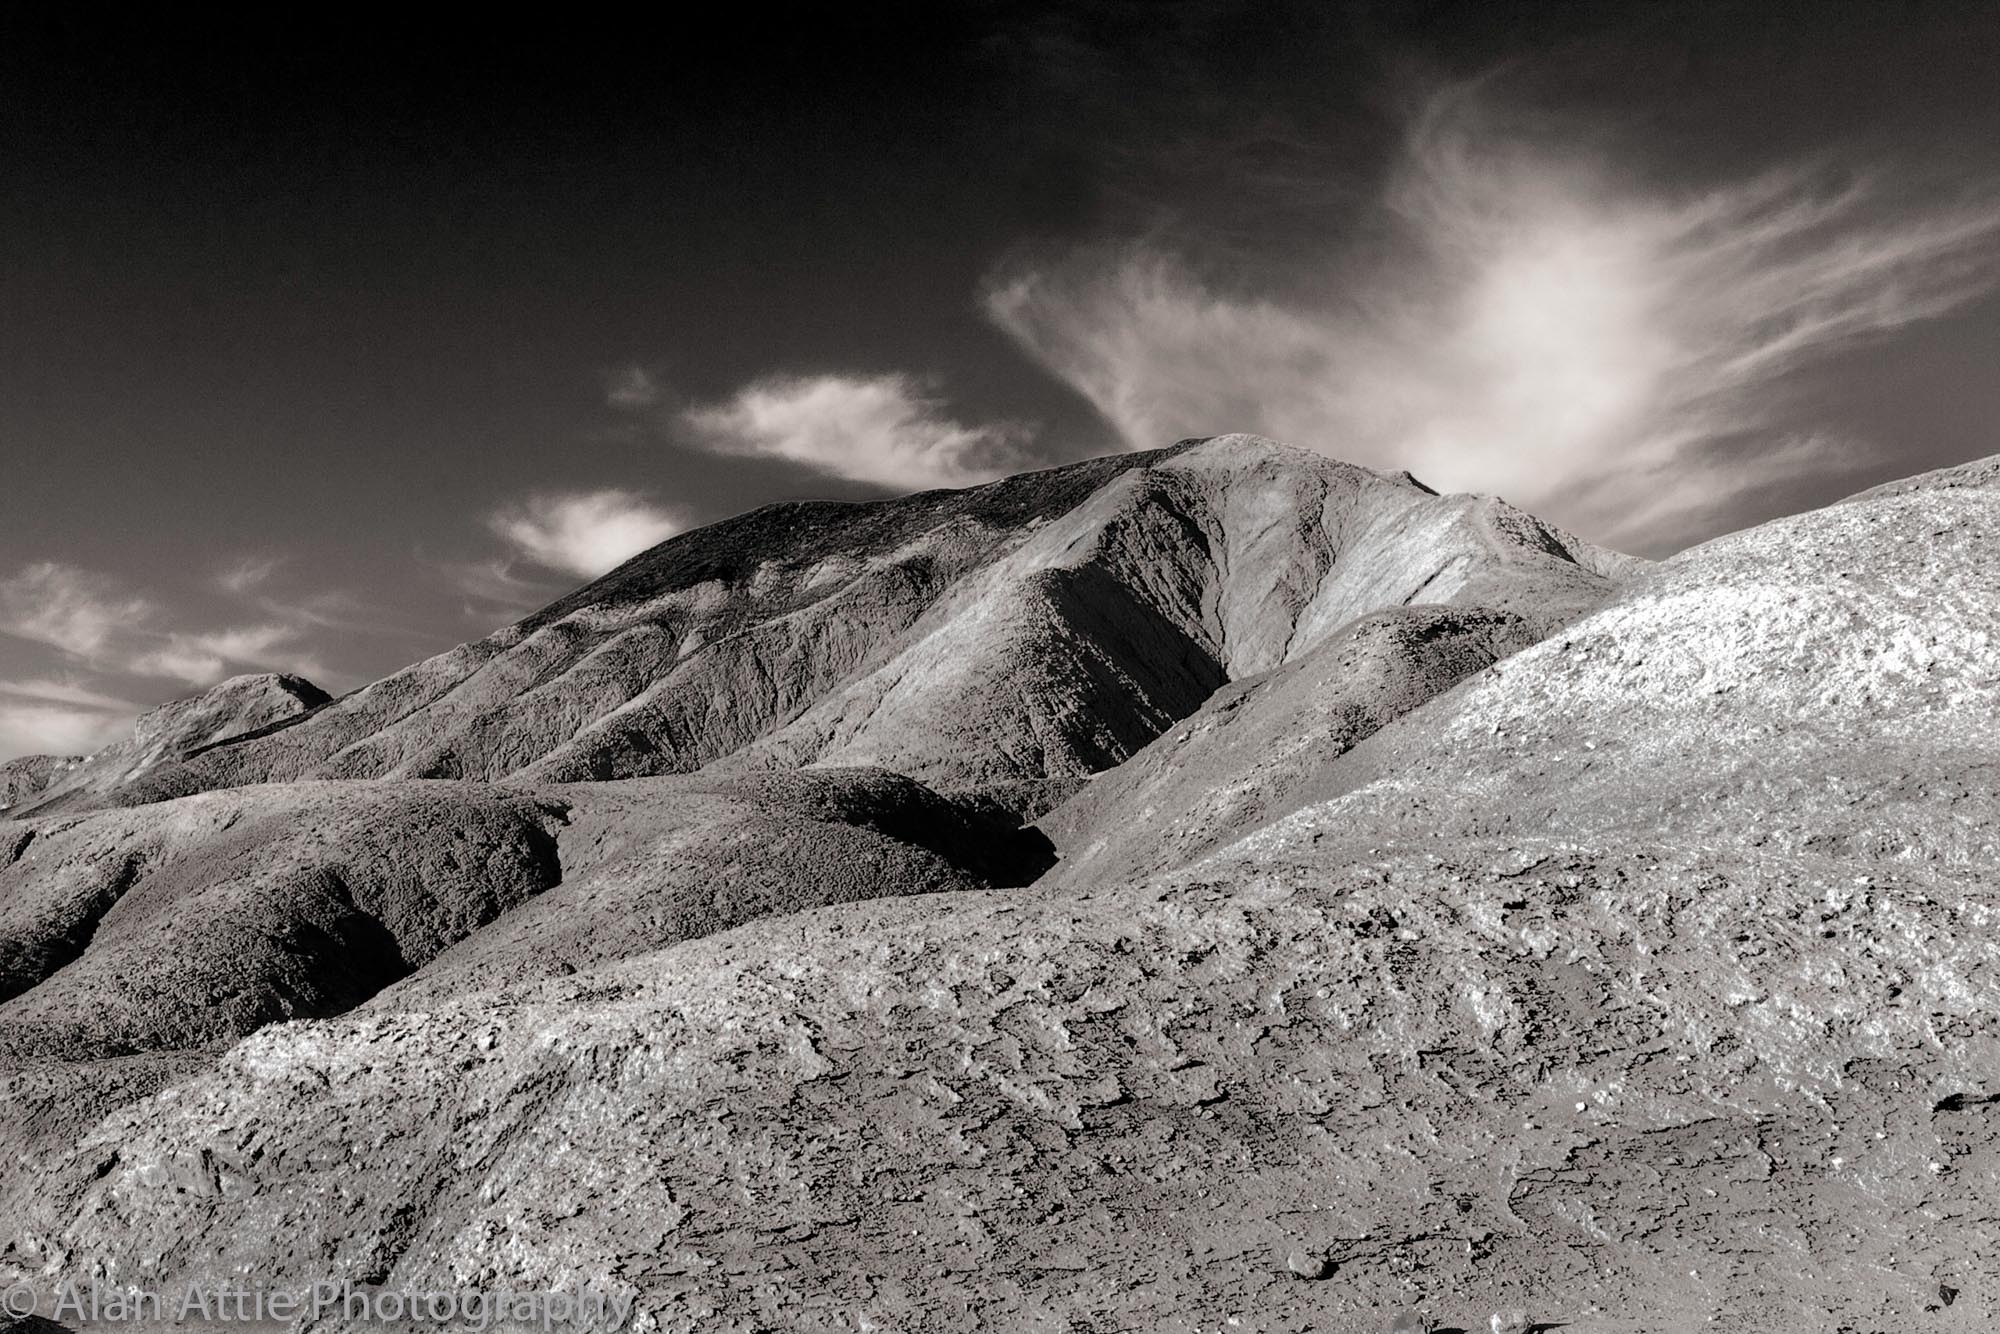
<point>583,533</point>
<point>499,589</point>
<point>67,608</point>
<point>96,621</point>
<point>1542,324</point>
<point>247,574</point>
<point>43,716</point>
<point>48,691</point>
<point>205,658</point>
<point>887,430</point>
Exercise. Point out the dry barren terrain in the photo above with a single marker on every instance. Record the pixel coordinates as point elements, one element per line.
<point>1210,890</point>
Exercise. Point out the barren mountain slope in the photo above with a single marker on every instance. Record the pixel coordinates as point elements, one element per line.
<point>650,861</point>
<point>24,779</point>
<point>195,921</point>
<point>189,923</point>
<point>129,937</point>
<point>1827,669</point>
<point>1256,743</point>
<point>1039,627</point>
<point>1528,1042</point>
<point>1221,562</point>
<point>240,706</point>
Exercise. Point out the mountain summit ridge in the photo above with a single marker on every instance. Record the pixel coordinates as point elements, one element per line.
<point>1111,596</point>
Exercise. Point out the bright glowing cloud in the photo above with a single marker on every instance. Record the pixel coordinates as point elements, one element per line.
<point>1543,326</point>
<point>583,533</point>
<point>887,430</point>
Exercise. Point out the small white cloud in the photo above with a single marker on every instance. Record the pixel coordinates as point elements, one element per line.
<point>180,662</point>
<point>67,608</point>
<point>248,574</point>
<point>883,429</point>
<point>632,389</point>
<point>583,533</point>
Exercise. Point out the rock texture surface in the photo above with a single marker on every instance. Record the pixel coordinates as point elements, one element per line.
<point>133,942</point>
<point>649,862</point>
<point>1637,978</point>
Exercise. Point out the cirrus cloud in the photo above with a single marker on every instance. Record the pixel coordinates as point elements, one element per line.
<point>49,716</point>
<point>205,658</point>
<point>91,618</point>
<point>39,727</point>
<point>886,430</point>
<point>66,608</point>
<point>1539,324</point>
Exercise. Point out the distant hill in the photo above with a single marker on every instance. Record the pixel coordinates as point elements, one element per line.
<point>1029,631</point>
<point>239,707</point>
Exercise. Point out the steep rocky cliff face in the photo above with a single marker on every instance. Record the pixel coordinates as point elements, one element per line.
<point>1414,961</point>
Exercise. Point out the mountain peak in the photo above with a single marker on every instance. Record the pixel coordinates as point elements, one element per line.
<point>1091,603</point>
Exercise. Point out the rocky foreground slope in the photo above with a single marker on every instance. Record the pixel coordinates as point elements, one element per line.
<point>1643,979</point>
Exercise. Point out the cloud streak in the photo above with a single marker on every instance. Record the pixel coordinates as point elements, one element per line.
<point>43,716</point>
<point>92,619</point>
<point>67,608</point>
<point>247,574</point>
<point>886,430</point>
<point>583,533</point>
<point>1538,324</point>
<point>205,658</point>
<point>35,727</point>
<point>632,389</point>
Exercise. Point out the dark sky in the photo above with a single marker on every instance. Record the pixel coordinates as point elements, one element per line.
<point>327,345</point>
